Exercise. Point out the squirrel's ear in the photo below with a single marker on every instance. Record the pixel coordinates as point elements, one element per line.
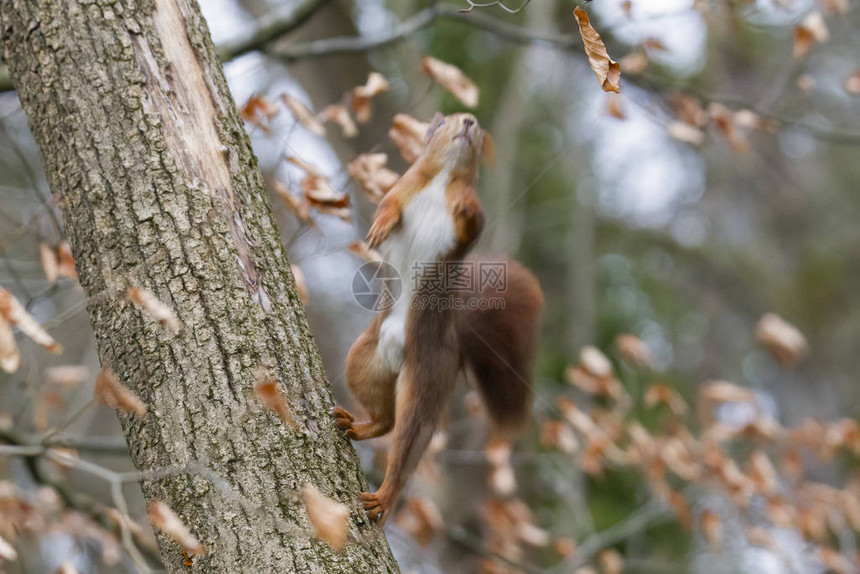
<point>488,150</point>
<point>434,123</point>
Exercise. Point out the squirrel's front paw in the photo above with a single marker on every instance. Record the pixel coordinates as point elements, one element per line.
<point>375,506</point>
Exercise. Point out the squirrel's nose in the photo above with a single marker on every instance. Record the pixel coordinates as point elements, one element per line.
<point>468,123</point>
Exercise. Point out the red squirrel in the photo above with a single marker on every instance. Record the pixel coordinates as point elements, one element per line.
<point>403,367</point>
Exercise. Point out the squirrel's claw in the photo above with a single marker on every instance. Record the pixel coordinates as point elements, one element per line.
<point>343,420</point>
<point>373,506</point>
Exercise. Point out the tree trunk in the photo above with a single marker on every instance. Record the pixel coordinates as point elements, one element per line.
<point>159,189</point>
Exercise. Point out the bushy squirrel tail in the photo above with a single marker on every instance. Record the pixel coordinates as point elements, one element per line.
<point>498,332</point>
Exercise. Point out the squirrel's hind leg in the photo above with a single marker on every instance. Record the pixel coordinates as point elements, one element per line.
<point>372,383</point>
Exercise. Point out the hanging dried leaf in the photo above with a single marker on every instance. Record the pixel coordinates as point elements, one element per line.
<point>258,111</point>
<point>607,70</point>
<point>303,114</point>
<point>163,518</point>
<point>116,395</point>
<point>656,44</point>
<point>719,392</point>
<point>805,83</point>
<point>10,357</point>
<point>633,350</point>
<point>781,338</point>
<point>301,284</point>
<point>595,362</point>
<point>152,306</point>
<point>762,473</point>
<point>611,562</point>
<point>370,172</point>
<point>329,518</point>
<point>48,256</point>
<point>712,529</point>
<point>634,63</point>
<point>724,120</point>
<point>422,520</point>
<point>66,264</point>
<point>452,79</point>
<point>613,107</point>
<point>17,316</point>
<point>67,568</point>
<point>686,133</point>
<point>837,7</point>
<point>688,109</point>
<point>811,31</point>
<point>363,250</point>
<point>269,393</point>
<point>319,192</point>
<point>852,84</point>
<point>502,480</point>
<point>339,115</point>
<point>559,436</point>
<point>660,394</point>
<point>361,96</point>
<point>295,203</point>
<point>409,135</point>
<point>67,375</point>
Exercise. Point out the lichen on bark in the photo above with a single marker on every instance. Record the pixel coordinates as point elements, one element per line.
<point>159,188</point>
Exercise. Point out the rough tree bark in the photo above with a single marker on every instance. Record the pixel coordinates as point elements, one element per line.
<point>159,188</point>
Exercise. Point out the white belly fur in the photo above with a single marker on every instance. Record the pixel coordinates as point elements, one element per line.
<point>425,233</point>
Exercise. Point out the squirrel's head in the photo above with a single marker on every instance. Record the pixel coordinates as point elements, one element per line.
<point>458,141</point>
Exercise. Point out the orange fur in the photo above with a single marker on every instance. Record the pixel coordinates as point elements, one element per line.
<point>496,346</point>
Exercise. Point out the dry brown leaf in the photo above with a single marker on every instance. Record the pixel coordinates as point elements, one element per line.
<point>852,84</point>
<point>339,115</point>
<point>633,350</point>
<point>303,114</point>
<point>607,70</point>
<point>660,394</point>
<point>328,517</point>
<point>688,109</point>
<point>595,362</point>
<point>686,133</point>
<point>533,535</point>
<point>10,357</point>
<point>67,568</point>
<point>725,121</point>
<point>155,308</point>
<point>452,79</point>
<point>319,192</point>
<point>17,316</point>
<point>295,203</point>
<point>421,519</point>
<point>66,264</point>
<point>258,111</point>
<point>409,135</point>
<point>269,393</point>
<point>67,375</point>
<point>7,551</point>
<point>712,529</point>
<point>835,561</point>
<point>559,436</point>
<point>656,44</point>
<point>762,473</point>
<point>50,264</point>
<point>758,536</point>
<point>502,480</point>
<point>116,395</point>
<point>163,518</point>
<point>361,96</point>
<point>718,392</point>
<point>611,562</point>
<point>812,30</point>
<point>835,6</point>
<point>370,172</point>
<point>363,250</point>
<point>627,8</point>
<point>805,83</point>
<point>781,338</point>
<point>613,107</point>
<point>634,63</point>
<point>301,284</point>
